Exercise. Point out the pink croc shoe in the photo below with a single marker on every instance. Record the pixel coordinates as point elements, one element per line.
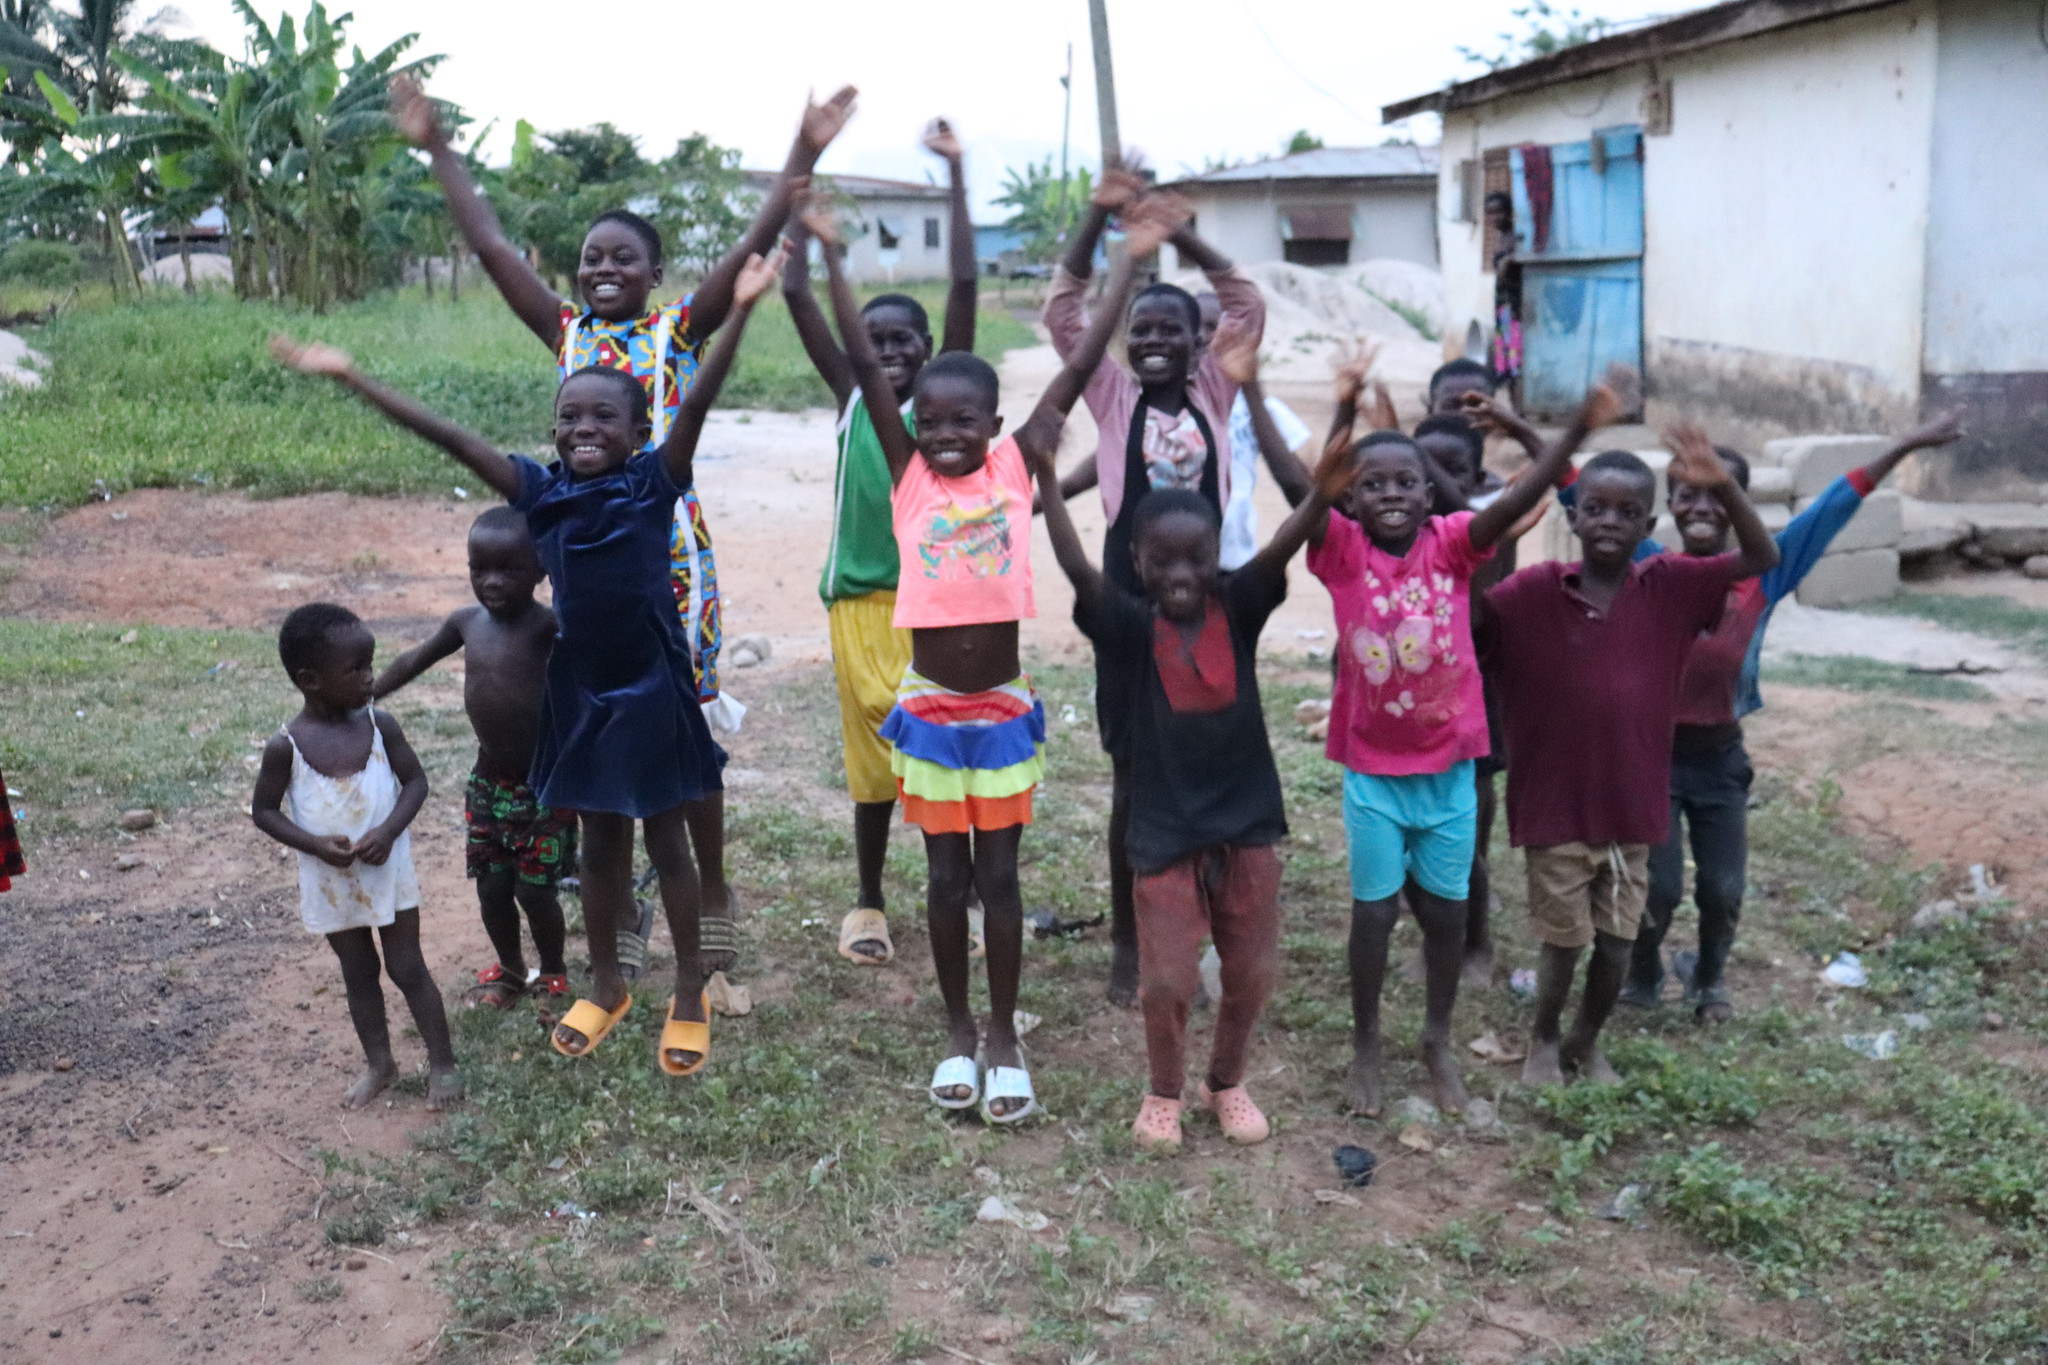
<point>1241,1120</point>
<point>1157,1127</point>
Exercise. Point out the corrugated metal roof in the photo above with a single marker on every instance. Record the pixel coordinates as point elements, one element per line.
<point>1327,163</point>
<point>859,186</point>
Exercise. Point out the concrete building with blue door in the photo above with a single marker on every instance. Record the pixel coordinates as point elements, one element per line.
<point>1795,216</point>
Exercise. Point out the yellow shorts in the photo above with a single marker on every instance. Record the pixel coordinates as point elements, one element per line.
<point>1577,891</point>
<point>869,658</point>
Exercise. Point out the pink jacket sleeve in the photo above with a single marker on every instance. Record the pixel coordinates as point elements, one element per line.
<point>1065,316</point>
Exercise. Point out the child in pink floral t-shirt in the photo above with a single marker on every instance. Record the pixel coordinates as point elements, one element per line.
<point>1409,718</point>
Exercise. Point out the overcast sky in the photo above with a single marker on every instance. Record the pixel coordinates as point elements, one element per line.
<point>1195,79</point>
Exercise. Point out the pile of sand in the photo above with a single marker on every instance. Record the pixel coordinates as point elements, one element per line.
<point>1311,316</point>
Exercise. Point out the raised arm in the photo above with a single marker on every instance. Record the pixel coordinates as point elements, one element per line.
<point>1237,352</point>
<point>524,291</point>
<point>1310,517</point>
<point>679,449</point>
<point>963,294</point>
<point>1066,541</point>
<point>811,328</point>
<point>419,658</point>
<point>1121,186</point>
<point>1942,430</point>
<point>1694,461</point>
<point>1490,413</point>
<point>1491,524</point>
<point>1149,225</point>
<point>482,458</point>
<point>897,447</point>
<point>1353,369</point>
<point>814,133</point>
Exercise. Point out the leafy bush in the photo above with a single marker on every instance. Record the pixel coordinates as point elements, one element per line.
<point>41,263</point>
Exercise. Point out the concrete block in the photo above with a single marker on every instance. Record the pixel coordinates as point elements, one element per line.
<point>1878,525</point>
<point>1769,484</point>
<point>1816,461</point>
<point>1931,528</point>
<point>1844,580</point>
<point>2010,530</point>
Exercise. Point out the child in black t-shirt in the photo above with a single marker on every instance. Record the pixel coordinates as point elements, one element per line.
<point>1206,809</point>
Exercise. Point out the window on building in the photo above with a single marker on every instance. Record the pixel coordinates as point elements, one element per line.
<point>888,233</point>
<point>1316,234</point>
<point>931,234</point>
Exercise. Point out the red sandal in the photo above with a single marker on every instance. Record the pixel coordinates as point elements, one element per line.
<point>554,987</point>
<point>496,988</point>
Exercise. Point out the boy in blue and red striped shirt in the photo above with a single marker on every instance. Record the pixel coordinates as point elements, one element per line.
<point>1710,769</point>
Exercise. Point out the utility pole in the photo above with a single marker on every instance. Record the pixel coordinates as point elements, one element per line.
<point>1105,82</point>
<point>1066,128</point>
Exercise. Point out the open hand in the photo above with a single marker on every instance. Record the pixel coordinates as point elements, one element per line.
<point>758,275</point>
<point>1354,367</point>
<point>1939,431</point>
<point>1122,184</point>
<point>1379,412</point>
<point>1333,472</point>
<point>941,140</point>
<point>1602,407</point>
<point>1236,351</point>
<point>1624,394</point>
<point>823,122</point>
<point>336,850</point>
<point>1693,460</point>
<point>311,357</point>
<point>1153,219</point>
<point>820,219</point>
<point>418,121</point>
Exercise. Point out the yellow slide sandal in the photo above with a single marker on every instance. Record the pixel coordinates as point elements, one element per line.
<point>685,1035</point>
<point>593,1021</point>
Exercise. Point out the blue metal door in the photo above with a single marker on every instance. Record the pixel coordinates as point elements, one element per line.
<point>1582,291</point>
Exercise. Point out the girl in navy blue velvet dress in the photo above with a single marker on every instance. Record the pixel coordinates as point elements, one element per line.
<point>622,735</point>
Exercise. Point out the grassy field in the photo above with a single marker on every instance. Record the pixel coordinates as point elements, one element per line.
<point>179,392</point>
<point>802,1204</point>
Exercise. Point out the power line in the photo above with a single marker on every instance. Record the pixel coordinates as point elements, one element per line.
<point>1300,75</point>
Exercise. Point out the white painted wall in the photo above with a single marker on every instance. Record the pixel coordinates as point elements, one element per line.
<point>1785,212</point>
<point>1987,241</point>
<point>1245,224</point>
<point>865,263</point>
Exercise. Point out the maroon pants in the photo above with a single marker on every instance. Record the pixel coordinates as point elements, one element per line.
<point>1232,895</point>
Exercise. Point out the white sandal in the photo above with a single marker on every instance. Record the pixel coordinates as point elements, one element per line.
<point>1008,1083</point>
<point>952,1073</point>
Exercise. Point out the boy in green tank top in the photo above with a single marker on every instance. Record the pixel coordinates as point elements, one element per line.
<point>869,654</point>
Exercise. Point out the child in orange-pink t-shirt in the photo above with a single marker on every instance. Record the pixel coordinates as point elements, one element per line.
<point>967,734</point>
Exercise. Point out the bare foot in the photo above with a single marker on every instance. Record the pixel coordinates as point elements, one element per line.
<point>1542,1066</point>
<point>572,1040</point>
<point>1364,1091</point>
<point>684,1008</point>
<point>443,1089</point>
<point>370,1084</point>
<point>1591,1065</point>
<point>716,904</point>
<point>1123,975</point>
<point>1005,1051</point>
<point>1478,970</point>
<point>1444,1077</point>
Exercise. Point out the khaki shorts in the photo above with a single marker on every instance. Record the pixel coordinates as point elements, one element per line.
<point>1579,890</point>
<point>869,656</point>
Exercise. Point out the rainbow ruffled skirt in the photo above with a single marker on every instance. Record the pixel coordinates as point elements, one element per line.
<point>965,760</point>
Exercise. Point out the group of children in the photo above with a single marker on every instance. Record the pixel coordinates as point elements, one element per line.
<point>591,716</point>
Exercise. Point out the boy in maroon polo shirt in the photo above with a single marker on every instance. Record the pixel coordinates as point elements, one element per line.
<point>1589,657</point>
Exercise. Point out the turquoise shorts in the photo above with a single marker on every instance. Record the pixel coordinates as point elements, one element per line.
<point>1423,825</point>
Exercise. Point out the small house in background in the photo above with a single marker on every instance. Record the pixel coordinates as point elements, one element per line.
<point>1795,216</point>
<point>896,230</point>
<point>1329,207</point>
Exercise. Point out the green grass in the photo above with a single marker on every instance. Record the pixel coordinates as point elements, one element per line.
<point>1856,674</point>
<point>179,392</point>
<point>1999,618</point>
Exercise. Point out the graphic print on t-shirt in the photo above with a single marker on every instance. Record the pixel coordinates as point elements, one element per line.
<point>1174,450</point>
<point>966,542</point>
<point>1407,648</point>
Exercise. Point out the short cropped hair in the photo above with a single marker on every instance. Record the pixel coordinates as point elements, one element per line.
<point>1625,462</point>
<point>1451,369</point>
<point>630,390</point>
<point>648,233</point>
<point>303,639</point>
<point>1388,438</point>
<point>1162,503</point>
<point>967,366</point>
<point>1174,292</point>
<point>1451,424</point>
<point>918,317</point>
<point>1736,461</point>
<point>501,520</point>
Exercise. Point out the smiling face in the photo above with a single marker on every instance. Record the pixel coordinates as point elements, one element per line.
<point>1389,495</point>
<point>900,344</point>
<point>955,424</point>
<point>616,273</point>
<point>504,569</point>
<point>342,677</point>
<point>1702,521</point>
<point>1176,560</point>
<point>596,428</point>
<point>1159,342</point>
<point>1454,455</point>
<point>1612,515</point>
